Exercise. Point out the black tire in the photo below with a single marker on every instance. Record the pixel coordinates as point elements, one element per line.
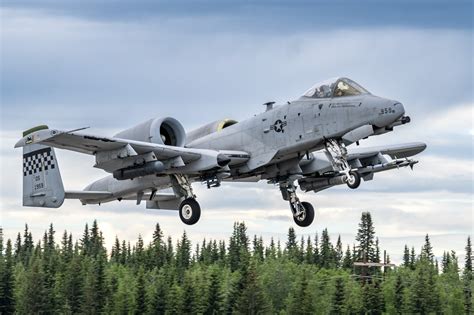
<point>189,211</point>
<point>353,182</point>
<point>308,217</point>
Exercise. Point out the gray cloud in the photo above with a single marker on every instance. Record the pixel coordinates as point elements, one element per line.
<point>242,15</point>
<point>71,72</point>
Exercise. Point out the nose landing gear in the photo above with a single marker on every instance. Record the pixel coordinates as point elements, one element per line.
<point>353,181</point>
<point>336,152</point>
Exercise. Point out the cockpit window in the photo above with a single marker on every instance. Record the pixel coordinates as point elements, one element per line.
<point>346,87</point>
<point>321,90</point>
<point>335,87</point>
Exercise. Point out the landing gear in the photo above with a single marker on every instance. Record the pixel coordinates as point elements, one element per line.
<point>336,153</point>
<point>353,181</point>
<point>303,212</point>
<point>306,214</point>
<point>189,209</point>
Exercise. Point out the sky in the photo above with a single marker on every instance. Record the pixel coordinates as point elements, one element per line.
<point>112,64</point>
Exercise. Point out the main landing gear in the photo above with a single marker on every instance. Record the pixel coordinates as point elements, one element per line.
<point>189,209</point>
<point>336,153</point>
<point>303,212</point>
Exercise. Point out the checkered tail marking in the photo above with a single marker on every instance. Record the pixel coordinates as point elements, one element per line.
<point>36,161</point>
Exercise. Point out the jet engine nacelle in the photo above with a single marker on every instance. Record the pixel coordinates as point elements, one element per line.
<point>165,130</point>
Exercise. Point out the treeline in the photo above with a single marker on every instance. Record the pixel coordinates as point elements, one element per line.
<point>243,276</point>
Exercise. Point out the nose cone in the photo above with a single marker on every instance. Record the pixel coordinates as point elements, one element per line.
<point>399,109</point>
<point>388,111</point>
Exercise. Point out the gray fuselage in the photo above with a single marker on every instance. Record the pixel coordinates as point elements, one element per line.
<point>279,134</point>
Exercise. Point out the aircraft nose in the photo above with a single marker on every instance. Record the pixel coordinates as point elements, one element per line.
<point>398,108</point>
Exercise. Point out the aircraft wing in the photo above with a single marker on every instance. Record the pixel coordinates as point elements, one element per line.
<point>115,154</point>
<point>319,173</point>
<point>394,151</point>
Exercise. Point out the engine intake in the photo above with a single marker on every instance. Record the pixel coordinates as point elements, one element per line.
<point>166,130</point>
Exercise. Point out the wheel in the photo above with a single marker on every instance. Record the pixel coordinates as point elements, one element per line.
<point>354,180</point>
<point>189,211</point>
<point>307,217</point>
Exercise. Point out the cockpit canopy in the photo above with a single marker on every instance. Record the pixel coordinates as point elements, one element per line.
<point>335,87</point>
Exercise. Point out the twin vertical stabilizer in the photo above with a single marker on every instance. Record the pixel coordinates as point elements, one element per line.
<point>42,183</point>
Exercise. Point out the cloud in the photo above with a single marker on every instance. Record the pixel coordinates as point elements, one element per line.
<point>104,73</point>
<point>239,15</point>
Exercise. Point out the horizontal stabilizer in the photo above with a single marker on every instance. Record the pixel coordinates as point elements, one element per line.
<point>87,195</point>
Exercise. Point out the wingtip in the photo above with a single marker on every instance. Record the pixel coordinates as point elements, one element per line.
<point>20,143</point>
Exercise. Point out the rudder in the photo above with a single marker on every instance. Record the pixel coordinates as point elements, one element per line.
<point>42,183</point>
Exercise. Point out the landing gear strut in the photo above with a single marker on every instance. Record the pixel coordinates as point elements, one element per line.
<point>303,212</point>
<point>336,153</point>
<point>189,209</point>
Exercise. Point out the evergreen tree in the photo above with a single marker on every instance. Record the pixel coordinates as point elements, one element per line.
<point>158,299</point>
<point>365,237</point>
<point>327,251</point>
<point>399,293</point>
<point>347,261</point>
<point>468,278</point>
<point>115,255</point>
<point>258,248</point>
<point>233,291</point>
<point>373,298</point>
<point>189,298</point>
<point>424,294</point>
<point>139,252</point>
<point>406,257</point>
<point>377,251</point>
<point>124,257</point>
<point>73,283</point>
<point>96,240</point>
<point>157,247</point>
<point>18,249</point>
<point>169,254</point>
<point>270,252</point>
<point>85,242</point>
<point>412,258</point>
<point>213,295</point>
<point>35,298</point>
<point>174,302</point>
<point>140,293</point>
<point>28,246</point>
<point>301,302</point>
<point>252,299</point>
<point>309,253</point>
<point>338,252</point>
<point>338,298</point>
<point>238,247</point>
<point>301,250</point>
<point>291,245</point>
<point>7,302</point>
<point>317,257</point>
<point>183,255</point>
<point>427,250</point>
<point>355,254</point>
<point>66,248</point>
<point>222,252</point>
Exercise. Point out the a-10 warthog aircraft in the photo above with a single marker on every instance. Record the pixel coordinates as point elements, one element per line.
<point>302,142</point>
